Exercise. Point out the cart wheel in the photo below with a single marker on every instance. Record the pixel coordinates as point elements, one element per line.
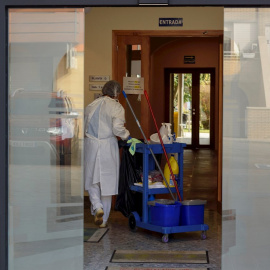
<point>132,223</point>
<point>203,235</point>
<point>165,238</point>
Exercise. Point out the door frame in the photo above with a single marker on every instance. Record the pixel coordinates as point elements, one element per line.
<point>167,102</point>
<point>4,5</point>
<point>146,35</point>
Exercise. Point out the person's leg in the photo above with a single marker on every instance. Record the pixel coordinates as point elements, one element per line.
<point>96,203</point>
<point>106,202</point>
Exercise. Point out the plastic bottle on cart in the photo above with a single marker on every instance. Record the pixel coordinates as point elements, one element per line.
<point>167,173</point>
<point>165,133</point>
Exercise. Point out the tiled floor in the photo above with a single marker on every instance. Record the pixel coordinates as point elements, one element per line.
<point>199,183</point>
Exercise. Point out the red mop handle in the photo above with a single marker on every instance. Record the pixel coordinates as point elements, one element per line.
<point>163,147</point>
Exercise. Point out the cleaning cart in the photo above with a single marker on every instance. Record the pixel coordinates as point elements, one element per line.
<point>164,218</point>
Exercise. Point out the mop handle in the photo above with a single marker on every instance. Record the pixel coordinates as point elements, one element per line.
<point>163,147</point>
<point>146,141</point>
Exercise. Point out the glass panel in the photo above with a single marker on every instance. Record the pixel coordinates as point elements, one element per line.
<point>246,140</point>
<point>183,106</point>
<point>204,126</point>
<point>133,61</point>
<point>46,62</point>
<point>176,96</point>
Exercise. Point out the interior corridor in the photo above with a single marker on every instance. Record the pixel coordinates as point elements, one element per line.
<point>200,182</point>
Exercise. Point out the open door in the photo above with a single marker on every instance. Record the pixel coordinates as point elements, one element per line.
<point>131,59</point>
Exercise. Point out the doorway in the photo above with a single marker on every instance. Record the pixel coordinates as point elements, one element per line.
<point>189,98</point>
<point>158,53</point>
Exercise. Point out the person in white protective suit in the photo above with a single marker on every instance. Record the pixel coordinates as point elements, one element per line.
<point>104,119</point>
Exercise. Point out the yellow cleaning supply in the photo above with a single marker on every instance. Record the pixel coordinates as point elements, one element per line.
<point>167,173</point>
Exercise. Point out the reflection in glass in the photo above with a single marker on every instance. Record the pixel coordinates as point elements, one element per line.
<point>246,139</point>
<point>46,52</point>
<point>204,125</point>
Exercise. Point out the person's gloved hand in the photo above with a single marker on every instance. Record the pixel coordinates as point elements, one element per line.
<point>121,143</point>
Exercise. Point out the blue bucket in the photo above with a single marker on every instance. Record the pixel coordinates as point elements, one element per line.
<point>165,215</point>
<point>192,212</point>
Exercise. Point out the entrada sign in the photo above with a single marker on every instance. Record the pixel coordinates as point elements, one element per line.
<point>170,21</point>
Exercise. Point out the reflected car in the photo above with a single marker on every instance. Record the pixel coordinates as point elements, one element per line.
<point>43,128</point>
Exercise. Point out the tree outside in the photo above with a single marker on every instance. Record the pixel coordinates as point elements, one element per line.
<point>205,81</point>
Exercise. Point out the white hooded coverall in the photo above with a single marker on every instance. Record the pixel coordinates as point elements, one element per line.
<point>103,120</point>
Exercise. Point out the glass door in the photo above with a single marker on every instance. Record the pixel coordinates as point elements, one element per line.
<point>191,105</point>
<point>182,106</point>
<point>46,75</point>
<point>204,108</point>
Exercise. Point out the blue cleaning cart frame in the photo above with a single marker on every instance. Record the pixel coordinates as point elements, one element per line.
<point>135,220</point>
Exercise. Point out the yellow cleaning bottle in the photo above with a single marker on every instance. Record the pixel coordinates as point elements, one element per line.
<point>167,173</point>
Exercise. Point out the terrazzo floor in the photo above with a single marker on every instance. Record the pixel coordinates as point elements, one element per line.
<point>199,181</point>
